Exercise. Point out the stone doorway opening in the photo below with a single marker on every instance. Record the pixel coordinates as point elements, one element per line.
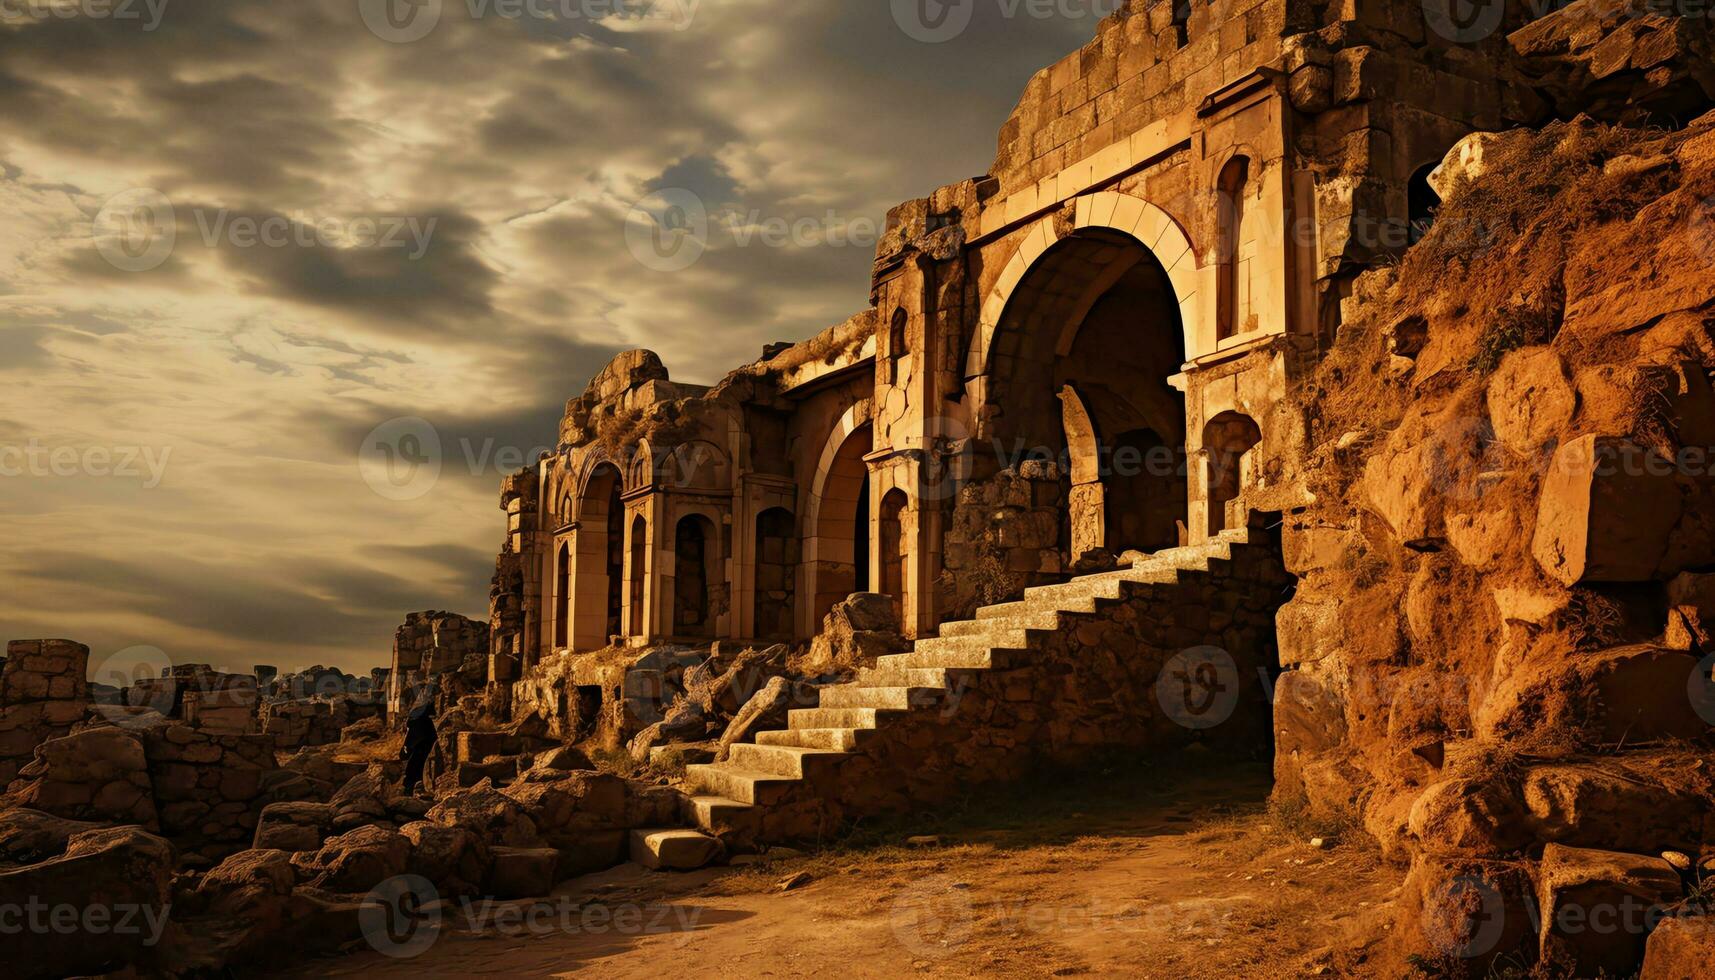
<point>776,569</point>
<point>694,551</point>
<point>1080,367</point>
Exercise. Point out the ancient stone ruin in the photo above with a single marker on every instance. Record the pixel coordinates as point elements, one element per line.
<point>1303,382</point>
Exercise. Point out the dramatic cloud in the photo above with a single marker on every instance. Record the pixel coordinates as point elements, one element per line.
<point>237,236</point>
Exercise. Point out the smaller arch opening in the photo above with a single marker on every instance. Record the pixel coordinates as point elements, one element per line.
<point>563,596</point>
<point>892,540</point>
<point>895,346</point>
<point>639,573</point>
<point>692,552</point>
<point>1229,440</point>
<point>1234,313</point>
<point>776,572</point>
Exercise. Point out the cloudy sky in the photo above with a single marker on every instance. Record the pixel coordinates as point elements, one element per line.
<point>237,236</point>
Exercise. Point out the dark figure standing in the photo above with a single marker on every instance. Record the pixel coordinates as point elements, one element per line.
<point>419,742</point>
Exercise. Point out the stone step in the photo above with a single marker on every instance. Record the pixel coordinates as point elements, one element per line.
<point>1035,607</point>
<point>1009,639</point>
<point>974,658</point>
<point>720,816</point>
<point>1046,619</point>
<point>930,677</point>
<point>837,739</point>
<point>835,717</point>
<point>781,760</point>
<point>898,698</point>
<point>673,848</point>
<point>740,785</point>
<point>1105,586</point>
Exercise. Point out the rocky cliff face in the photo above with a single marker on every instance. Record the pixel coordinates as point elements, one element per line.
<point>1503,523</point>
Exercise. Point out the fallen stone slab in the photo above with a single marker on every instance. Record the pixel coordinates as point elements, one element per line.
<point>523,872</point>
<point>673,849</point>
<point>1680,949</point>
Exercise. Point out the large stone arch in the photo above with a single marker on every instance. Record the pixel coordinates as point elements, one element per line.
<point>829,554</point>
<point>597,585</point>
<point>1148,225</point>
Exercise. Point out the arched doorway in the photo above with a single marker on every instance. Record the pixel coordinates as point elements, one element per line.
<point>693,557</point>
<point>598,582</point>
<point>836,552</point>
<point>1228,440</point>
<point>639,575</point>
<point>776,574</point>
<point>563,596</point>
<point>893,551</point>
<point>1097,314</point>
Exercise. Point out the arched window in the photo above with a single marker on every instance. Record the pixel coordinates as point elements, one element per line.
<point>563,596</point>
<point>639,573</point>
<point>895,346</point>
<point>1237,250</point>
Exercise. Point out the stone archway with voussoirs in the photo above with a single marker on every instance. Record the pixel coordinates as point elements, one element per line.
<point>835,551</point>
<point>1148,225</point>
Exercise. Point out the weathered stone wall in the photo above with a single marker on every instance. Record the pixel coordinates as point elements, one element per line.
<point>43,693</point>
<point>1495,652</point>
<point>437,647</point>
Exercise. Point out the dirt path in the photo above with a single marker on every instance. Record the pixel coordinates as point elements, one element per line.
<point>1192,880</point>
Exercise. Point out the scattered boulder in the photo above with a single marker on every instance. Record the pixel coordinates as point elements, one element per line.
<point>1680,949</point>
<point>673,849</point>
<point>356,861</point>
<point>857,630</point>
<point>295,826</point>
<point>31,836</point>
<point>523,872</point>
<point>1598,906</point>
<point>487,812</point>
<point>119,874</point>
<point>765,710</point>
<point>454,859</point>
<point>1605,512</point>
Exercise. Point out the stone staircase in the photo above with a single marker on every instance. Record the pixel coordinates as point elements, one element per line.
<point>1066,669</point>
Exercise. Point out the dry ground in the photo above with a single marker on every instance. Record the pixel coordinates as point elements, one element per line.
<point>1153,875</point>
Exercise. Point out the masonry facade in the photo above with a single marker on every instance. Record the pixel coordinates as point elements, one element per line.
<point>1112,315</point>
